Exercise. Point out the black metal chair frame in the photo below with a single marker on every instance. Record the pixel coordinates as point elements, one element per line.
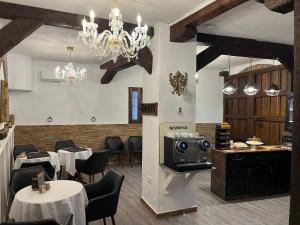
<point>132,151</point>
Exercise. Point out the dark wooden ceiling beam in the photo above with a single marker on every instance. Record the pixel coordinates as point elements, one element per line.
<point>207,56</point>
<point>186,29</point>
<point>280,6</point>
<point>15,32</point>
<point>145,60</point>
<point>249,48</point>
<point>55,18</point>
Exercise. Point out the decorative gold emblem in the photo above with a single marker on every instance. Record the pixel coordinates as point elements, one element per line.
<point>178,82</point>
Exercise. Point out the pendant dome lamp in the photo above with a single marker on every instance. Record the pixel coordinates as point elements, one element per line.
<point>229,88</point>
<point>251,88</point>
<point>273,89</point>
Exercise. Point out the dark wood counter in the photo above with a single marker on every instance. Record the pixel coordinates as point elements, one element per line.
<point>246,173</point>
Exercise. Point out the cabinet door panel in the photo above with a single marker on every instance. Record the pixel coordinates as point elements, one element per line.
<point>259,179</point>
<point>237,181</point>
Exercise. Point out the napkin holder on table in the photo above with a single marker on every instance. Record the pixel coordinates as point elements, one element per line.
<point>38,183</point>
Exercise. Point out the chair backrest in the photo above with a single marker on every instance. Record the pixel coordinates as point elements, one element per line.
<point>68,221</point>
<point>105,204</point>
<point>135,143</point>
<point>46,165</point>
<point>23,148</point>
<point>114,143</point>
<point>64,144</point>
<point>21,178</point>
<point>97,162</point>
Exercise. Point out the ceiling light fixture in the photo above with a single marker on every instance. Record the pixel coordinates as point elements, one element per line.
<point>116,41</point>
<point>273,89</point>
<point>251,88</point>
<point>229,88</point>
<point>69,74</point>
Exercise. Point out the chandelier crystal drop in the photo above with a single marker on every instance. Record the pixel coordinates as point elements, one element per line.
<point>116,41</point>
<point>69,74</point>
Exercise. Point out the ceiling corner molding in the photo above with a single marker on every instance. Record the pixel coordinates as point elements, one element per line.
<point>280,6</point>
<point>145,60</point>
<point>186,29</point>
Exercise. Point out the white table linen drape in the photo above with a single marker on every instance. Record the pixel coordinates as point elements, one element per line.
<point>63,198</point>
<point>67,158</point>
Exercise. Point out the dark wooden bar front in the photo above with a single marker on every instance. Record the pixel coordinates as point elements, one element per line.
<point>245,173</point>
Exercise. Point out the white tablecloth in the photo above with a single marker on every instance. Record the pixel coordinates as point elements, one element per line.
<point>53,159</point>
<point>63,198</point>
<point>67,159</point>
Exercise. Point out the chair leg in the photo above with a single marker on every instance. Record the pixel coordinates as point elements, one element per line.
<point>122,160</point>
<point>90,178</point>
<point>59,176</point>
<point>119,159</point>
<point>131,157</point>
<point>113,220</point>
<point>104,221</point>
<point>102,174</point>
<point>93,177</point>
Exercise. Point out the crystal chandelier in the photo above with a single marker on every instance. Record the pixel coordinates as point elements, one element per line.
<point>116,41</point>
<point>69,74</point>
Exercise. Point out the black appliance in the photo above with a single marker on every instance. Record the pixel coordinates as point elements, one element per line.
<point>186,154</point>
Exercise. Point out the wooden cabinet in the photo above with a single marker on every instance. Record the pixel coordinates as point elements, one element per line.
<point>250,174</point>
<point>258,115</point>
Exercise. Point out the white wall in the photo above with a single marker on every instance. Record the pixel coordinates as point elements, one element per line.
<point>209,100</point>
<point>75,103</point>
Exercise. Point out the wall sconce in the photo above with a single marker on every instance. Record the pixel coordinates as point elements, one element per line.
<point>93,119</point>
<point>197,78</point>
<point>49,119</point>
<point>178,81</point>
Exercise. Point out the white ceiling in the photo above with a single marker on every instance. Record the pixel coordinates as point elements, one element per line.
<point>250,20</point>
<point>253,20</point>
<point>152,11</point>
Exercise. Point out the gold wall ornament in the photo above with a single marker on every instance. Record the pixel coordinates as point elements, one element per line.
<point>178,81</point>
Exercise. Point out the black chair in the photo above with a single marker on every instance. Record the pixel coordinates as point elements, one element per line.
<point>115,146</point>
<point>23,148</point>
<point>104,197</point>
<point>68,221</point>
<point>135,144</point>
<point>21,178</point>
<point>96,163</point>
<point>64,144</point>
<point>46,165</point>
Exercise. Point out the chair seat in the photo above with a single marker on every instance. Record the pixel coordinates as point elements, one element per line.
<point>115,152</point>
<point>137,150</point>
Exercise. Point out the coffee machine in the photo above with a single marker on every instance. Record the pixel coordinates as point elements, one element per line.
<point>186,153</point>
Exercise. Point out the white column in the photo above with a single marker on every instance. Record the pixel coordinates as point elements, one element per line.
<point>169,58</point>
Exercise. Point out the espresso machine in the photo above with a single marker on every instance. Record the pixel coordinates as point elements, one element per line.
<point>186,153</point>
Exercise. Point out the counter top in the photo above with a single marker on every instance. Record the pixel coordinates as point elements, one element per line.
<point>264,148</point>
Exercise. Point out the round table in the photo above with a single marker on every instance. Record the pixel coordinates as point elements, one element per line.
<point>63,198</point>
<point>53,159</point>
<point>67,158</point>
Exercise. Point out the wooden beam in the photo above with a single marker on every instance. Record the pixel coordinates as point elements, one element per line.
<point>280,6</point>
<point>207,56</point>
<point>186,29</point>
<point>295,178</point>
<point>55,18</point>
<point>250,48</point>
<point>15,32</point>
<point>145,60</point>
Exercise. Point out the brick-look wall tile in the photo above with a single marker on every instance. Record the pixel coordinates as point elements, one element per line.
<point>93,136</point>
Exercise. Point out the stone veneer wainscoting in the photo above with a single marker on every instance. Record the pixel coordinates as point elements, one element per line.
<point>93,136</point>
